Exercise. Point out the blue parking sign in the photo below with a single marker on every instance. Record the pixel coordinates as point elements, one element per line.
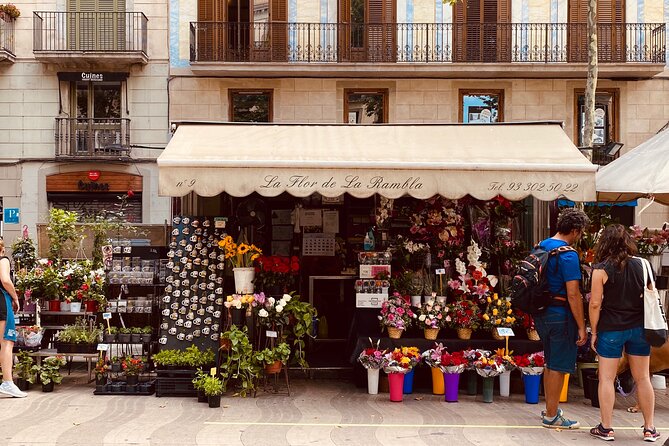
<point>11,215</point>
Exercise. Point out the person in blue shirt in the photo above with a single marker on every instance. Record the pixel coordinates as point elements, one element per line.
<point>562,325</point>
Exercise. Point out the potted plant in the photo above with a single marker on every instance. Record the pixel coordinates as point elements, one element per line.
<point>102,367</point>
<point>124,334</point>
<point>132,368</point>
<point>465,317</point>
<point>9,12</point>
<point>213,388</point>
<point>241,365</point>
<point>274,358</point>
<point>198,384</point>
<point>136,335</point>
<point>431,317</point>
<point>146,334</point>
<point>48,372</point>
<point>301,317</point>
<point>498,313</point>
<point>23,369</point>
<point>116,365</point>
<point>396,315</point>
<point>110,336</point>
<point>78,338</point>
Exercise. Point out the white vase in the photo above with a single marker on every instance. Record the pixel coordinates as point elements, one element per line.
<point>373,381</point>
<point>415,301</point>
<point>244,279</point>
<point>64,306</point>
<point>75,307</point>
<point>505,383</point>
<point>655,261</point>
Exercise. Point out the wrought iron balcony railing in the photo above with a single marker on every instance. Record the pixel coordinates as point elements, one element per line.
<point>423,42</point>
<point>7,38</point>
<point>107,32</point>
<point>105,138</point>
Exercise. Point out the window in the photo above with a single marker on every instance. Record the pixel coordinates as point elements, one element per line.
<point>481,32</point>
<point>97,25</point>
<point>606,116</point>
<point>250,106</point>
<point>481,106</point>
<point>365,106</point>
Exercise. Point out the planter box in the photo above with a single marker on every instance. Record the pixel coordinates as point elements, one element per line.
<point>66,347</point>
<point>175,383</point>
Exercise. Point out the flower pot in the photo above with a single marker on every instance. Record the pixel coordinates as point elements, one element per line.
<point>505,383</point>
<point>415,301</point>
<point>394,333</point>
<point>146,338</point>
<point>565,388</point>
<point>431,333</point>
<point>75,307</point>
<point>273,368</point>
<point>396,384</point>
<point>472,382</point>
<point>244,280</point>
<point>464,333</point>
<point>91,306</point>
<point>496,336</point>
<point>532,384</point>
<point>100,388</point>
<point>131,388</point>
<point>64,306</point>
<point>373,381</point>
<point>108,338</point>
<point>451,384</point>
<point>655,262</point>
<point>124,338</point>
<point>116,367</point>
<point>592,381</point>
<point>54,305</point>
<point>487,391</point>
<point>202,397</point>
<point>131,380</point>
<point>238,315</point>
<point>135,338</point>
<point>22,384</point>
<point>407,386</point>
<point>48,387</point>
<point>214,400</point>
<point>533,335</point>
<point>437,381</point>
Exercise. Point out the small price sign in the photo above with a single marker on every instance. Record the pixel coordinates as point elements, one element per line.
<point>212,372</point>
<point>103,347</point>
<point>271,334</point>
<point>106,315</point>
<point>505,331</point>
<point>440,271</point>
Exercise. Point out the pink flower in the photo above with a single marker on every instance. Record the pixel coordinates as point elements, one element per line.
<point>400,311</point>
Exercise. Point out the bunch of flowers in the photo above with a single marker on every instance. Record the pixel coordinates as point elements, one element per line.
<point>239,301</point>
<point>505,359</point>
<point>530,363</point>
<point>276,271</point>
<point>74,275</point>
<point>240,255</point>
<point>432,357</point>
<point>396,313</point>
<point>473,280</point>
<point>93,287</point>
<point>372,357</point>
<point>488,366</point>
<point>101,367</point>
<point>43,281</point>
<point>650,242</point>
<point>525,320</point>
<point>270,310</point>
<point>455,362</point>
<point>402,360</point>
<point>132,366</point>
<point>473,355</point>
<point>498,313</point>
<point>439,222</point>
<point>432,314</point>
<point>464,313</point>
<point>11,10</point>
<point>384,211</point>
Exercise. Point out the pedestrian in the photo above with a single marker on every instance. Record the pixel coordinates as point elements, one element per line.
<point>9,303</point>
<point>561,325</point>
<point>616,319</point>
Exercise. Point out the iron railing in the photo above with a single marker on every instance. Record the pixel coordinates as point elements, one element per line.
<point>423,42</point>
<point>90,31</point>
<point>92,138</point>
<point>7,36</point>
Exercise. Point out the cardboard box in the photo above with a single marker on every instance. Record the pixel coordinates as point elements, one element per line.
<point>370,271</point>
<point>370,300</point>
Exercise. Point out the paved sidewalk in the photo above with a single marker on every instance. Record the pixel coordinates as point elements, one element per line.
<point>320,412</point>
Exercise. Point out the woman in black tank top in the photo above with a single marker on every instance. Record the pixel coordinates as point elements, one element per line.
<point>616,320</point>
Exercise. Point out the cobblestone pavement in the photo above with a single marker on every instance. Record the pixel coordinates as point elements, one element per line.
<point>319,412</point>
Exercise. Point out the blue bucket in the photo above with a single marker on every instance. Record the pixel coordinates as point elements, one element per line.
<point>532,383</point>
<point>408,382</point>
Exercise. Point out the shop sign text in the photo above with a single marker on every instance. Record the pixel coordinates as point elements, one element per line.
<point>350,182</point>
<point>89,186</point>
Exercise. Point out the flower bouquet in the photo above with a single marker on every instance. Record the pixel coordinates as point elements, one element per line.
<point>439,221</point>
<point>270,310</point>
<point>241,257</point>
<point>452,365</point>
<point>488,366</point>
<point>276,274</point>
<point>473,280</point>
<point>399,362</point>
<point>396,315</point>
<point>465,317</point>
<point>238,305</point>
<point>504,358</point>
<point>530,363</point>
<point>498,313</point>
<point>650,242</point>
<point>373,360</point>
<point>526,321</point>
<point>431,317</point>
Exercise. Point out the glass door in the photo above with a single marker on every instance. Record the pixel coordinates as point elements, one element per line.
<point>97,128</point>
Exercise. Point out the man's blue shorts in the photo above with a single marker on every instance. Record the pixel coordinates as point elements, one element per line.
<point>7,314</point>
<point>610,343</point>
<point>558,331</point>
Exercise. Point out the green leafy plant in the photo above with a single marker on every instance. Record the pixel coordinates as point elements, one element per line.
<point>147,330</point>
<point>191,357</point>
<point>112,330</point>
<point>198,381</point>
<point>24,364</point>
<point>240,365</point>
<point>132,366</point>
<point>48,371</point>
<point>62,229</point>
<point>136,330</point>
<point>125,330</point>
<point>80,333</point>
<point>24,253</point>
<point>301,323</point>
<point>213,386</point>
<point>270,355</point>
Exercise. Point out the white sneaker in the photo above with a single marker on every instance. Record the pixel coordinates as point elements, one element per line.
<point>9,388</point>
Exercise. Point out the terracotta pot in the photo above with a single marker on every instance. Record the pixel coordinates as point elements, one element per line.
<point>273,368</point>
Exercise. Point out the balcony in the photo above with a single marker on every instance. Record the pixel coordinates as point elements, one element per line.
<point>93,139</point>
<point>99,38</point>
<point>428,49</point>
<point>7,41</point>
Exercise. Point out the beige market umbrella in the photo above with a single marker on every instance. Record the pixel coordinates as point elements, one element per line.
<point>641,172</point>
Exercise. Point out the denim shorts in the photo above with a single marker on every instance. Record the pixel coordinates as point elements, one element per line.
<point>8,313</point>
<point>559,333</point>
<point>610,343</point>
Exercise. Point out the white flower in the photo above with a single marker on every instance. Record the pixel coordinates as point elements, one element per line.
<point>493,281</point>
<point>43,261</point>
<point>263,313</point>
<point>271,300</point>
<point>281,303</point>
<point>473,253</point>
<point>287,297</point>
<point>227,304</point>
<point>460,267</point>
<point>421,317</point>
<point>279,308</point>
<point>238,304</point>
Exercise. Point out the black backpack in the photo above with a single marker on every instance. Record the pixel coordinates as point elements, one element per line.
<point>529,287</point>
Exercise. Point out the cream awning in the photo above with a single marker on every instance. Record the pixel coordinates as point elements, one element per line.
<point>512,159</point>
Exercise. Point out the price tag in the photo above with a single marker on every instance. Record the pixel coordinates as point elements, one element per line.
<point>271,334</point>
<point>505,331</point>
<point>440,271</point>
<point>212,372</point>
<point>106,315</point>
<point>103,347</point>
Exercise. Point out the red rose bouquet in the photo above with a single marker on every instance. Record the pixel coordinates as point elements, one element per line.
<point>455,362</point>
<point>530,363</point>
<point>372,357</point>
<point>464,313</point>
<point>276,271</point>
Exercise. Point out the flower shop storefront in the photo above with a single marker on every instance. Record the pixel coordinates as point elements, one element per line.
<point>428,213</point>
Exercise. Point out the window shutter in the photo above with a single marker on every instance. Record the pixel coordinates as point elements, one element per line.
<point>380,23</point>
<point>610,30</point>
<point>503,31</point>
<point>459,32</point>
<point>279,24</point>
<point>211,42</point>
<point>96,25</point>
<point>344,30</point>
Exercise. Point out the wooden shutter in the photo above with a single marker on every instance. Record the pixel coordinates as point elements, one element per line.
<point>96,25</point>
<point>482,31</point>
<point>459,31</point>
<point>279,33</point>
<point>344,29</point>
<point>610,30</point>
<point>503,31</point>
<point>211,31</point>
<point>380,24</point>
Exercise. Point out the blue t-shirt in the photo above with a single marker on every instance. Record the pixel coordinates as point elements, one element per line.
<point>568,269</point>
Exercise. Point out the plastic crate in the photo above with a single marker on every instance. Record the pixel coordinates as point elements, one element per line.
<point>175,387</point>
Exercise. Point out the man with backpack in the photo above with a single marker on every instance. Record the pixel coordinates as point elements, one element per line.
<point>561,324</point>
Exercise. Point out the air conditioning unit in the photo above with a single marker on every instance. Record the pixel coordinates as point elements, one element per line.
<point>105,138</point>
